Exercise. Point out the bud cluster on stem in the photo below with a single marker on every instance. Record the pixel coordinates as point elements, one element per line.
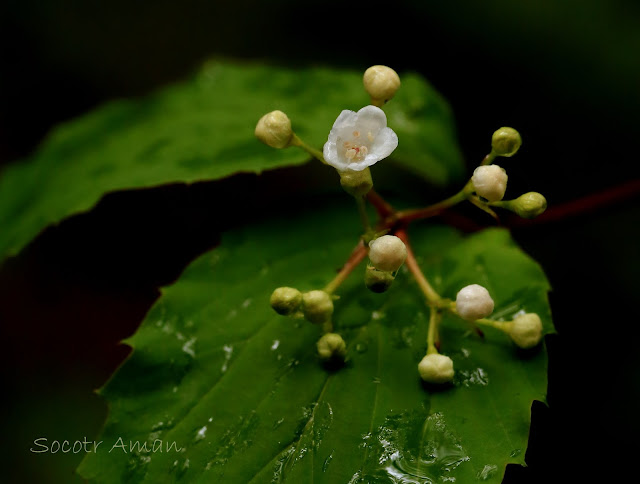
<point>357,141</point>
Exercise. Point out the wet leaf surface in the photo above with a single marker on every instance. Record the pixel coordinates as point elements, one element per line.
<point>233,392</point>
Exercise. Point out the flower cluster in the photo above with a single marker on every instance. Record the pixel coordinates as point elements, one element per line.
<point>356,142</point>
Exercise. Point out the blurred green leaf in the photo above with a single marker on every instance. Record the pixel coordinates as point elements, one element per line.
<point>240,391</point>
<point>202,129</point>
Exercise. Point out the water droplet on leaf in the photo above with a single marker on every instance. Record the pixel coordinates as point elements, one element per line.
<point>326,462</point>
<point>486,472</point>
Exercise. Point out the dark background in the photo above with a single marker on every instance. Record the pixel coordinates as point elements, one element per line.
<point>566,74</point>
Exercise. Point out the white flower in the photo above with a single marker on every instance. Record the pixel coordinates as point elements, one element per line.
<point>358,140</point>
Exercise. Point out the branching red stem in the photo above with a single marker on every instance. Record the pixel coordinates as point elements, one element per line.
<point>383,207</point>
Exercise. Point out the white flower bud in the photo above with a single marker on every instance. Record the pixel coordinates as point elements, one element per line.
<point>332,347</point>
<point>286,300</point>
<point>474,302</point>
<point>506,142</point>
<point>317,306</point>
<point>490,182</point>
<point>529,205</point>
<point>381,82</point>
<point>387,253</point>
<point>526,331</point>
<point>274,129</point>
<point>376,280</point>
<point>436,368</point>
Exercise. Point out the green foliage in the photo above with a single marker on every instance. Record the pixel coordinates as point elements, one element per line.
<point>202,129</point>
<point>241,391</point>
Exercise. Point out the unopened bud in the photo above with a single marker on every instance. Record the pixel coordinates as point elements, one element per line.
<point>317,306</point>
<point>436,368</point>
<point>387,253</point>
<point>376,280</point>
<point>490,182</point>
<point>286,300</point>
<point>274,129</point>
<point>526,331</point>
<point>529,205</point>
<point>356,183</point>
<point>381,82</point>
<point>332,347</point>
<point>505,142</point>
<point>473,302</point>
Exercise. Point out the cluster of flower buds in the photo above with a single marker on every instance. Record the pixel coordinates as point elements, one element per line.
<point>474,303</point>
<point>489,181</point>
<point>356,141</point>
<point>316,307</point>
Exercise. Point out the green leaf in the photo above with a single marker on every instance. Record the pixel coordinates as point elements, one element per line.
<point>240,391</point>
<point>202,129</point>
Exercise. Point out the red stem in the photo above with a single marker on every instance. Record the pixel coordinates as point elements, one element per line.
<point>383,208</point>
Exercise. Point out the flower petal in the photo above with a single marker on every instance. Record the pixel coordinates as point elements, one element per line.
<point>345,119</point>
<point>386,141</point>
<point>330,153</point>
<point>371,118</point>
<point>356,165</point>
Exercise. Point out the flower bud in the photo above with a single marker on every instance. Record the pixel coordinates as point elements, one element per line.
<point>505,142</point>
<point>381,82</point>
<point>490,182</point>
<point>436,368</point>
<point>332,347</point>
<point>529,205</point>
<point>387,253</point>
<point>317,306</point>
<point>376,280</point>
<point>473,302</point>
<point>356,183</point>
<point>286,300</point>
<point>274,129</point>
<point>526,331</point>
